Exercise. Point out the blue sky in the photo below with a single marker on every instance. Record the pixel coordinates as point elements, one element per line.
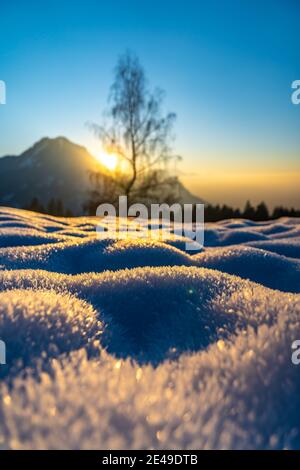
<point>227,68</point>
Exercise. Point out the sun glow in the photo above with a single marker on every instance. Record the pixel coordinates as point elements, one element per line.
<point>110,160</point>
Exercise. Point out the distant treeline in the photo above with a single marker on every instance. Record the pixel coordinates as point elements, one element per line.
<point>212,213</point>
<point>256,213</point>
<point>54,207</point>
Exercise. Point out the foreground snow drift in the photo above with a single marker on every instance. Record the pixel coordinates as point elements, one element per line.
<point>128,344</point>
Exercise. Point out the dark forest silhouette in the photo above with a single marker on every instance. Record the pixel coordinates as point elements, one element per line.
<point>256,213</point>
<point>54,207</point>
<point>213,213</point>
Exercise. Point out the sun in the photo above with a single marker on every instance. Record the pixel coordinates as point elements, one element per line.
<point>110,160</point>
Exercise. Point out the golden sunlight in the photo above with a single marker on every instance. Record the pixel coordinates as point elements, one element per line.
<point>110,160</point>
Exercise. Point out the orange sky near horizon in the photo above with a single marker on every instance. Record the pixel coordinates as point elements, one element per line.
<point>234,188</point>
<point>220,180</point>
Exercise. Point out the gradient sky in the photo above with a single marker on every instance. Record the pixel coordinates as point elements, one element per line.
<point>226,66</point>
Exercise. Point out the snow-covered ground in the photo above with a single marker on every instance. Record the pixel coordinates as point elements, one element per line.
<point>140,344</point>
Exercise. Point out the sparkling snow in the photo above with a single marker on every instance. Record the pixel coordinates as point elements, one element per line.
<point>142,344</point>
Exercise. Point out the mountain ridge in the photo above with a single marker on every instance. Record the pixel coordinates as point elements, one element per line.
<point>55,168</point>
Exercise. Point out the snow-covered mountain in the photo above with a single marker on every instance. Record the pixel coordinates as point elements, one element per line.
<point>54,168</point>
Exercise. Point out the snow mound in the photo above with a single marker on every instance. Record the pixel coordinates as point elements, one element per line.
<point>230,396</point>
<point>258,265</point>
<point>43,324</point>
<point>288,247</point>
<point>143,344</point>
<point>14,237</point>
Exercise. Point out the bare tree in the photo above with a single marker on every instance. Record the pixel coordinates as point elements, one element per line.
<point>136,130</point>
